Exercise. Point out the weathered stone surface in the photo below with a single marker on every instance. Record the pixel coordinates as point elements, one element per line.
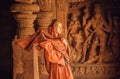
<point>96,71</point>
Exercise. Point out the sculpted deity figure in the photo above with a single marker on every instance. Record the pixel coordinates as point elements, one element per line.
<point>56,50</point>
<point>73,28</point>
<point>98,26</point>
<point>75,37</point>
<point>115,38</point>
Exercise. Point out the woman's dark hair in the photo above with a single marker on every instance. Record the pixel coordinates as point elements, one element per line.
<point>53,22</point>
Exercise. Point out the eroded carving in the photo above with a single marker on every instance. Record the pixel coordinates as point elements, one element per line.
<point>98,26</point>
<point>95,71</point>
<point>76,37</point>
<point>115,38</point>
<point>90,42</point>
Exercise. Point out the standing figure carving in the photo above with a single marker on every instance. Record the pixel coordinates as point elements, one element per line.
<point>73,28</point>
<point>76,37</point>
<point>115,39</point>
<point>99,29</point>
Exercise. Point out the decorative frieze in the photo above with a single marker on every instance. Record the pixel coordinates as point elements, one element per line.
<point>96,71</point>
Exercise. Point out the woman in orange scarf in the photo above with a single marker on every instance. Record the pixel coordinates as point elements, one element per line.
<point>57,53</point>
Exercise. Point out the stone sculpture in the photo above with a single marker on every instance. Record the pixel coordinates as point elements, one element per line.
<point>100,28</point>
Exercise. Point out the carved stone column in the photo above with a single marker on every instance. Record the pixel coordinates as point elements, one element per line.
<point>24,62</point>
<point>24,16</point>
<point>43,21</point>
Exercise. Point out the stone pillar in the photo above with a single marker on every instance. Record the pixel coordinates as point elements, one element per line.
<point>24,16</point>
<point>43,21</point>
<point>45,15</point>
<point>24,62</point>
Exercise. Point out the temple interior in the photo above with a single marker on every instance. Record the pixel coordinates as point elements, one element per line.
<point>91,27</point>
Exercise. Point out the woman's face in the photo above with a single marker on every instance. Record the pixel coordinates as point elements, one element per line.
<point>58,30</point>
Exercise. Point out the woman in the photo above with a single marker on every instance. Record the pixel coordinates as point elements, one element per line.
<point>56,51</point>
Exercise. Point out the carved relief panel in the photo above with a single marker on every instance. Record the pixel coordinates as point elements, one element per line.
<point>90,35</point>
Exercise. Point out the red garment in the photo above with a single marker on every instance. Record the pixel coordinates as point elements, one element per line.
<point>55,59</point>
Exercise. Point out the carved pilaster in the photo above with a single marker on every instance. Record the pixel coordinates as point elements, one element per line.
<point>24,62</point>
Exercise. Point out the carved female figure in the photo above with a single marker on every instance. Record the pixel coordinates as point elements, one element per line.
<point>115,41</point>
<point>75,37</point>
<point>73,28</point>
